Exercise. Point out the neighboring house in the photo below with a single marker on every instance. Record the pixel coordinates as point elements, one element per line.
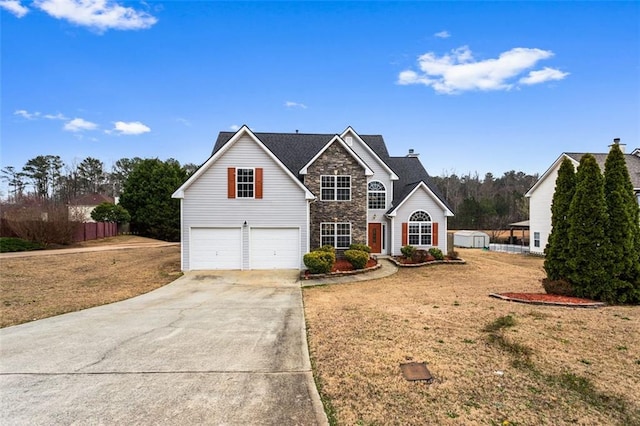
<point>541,194</point>
<point>263,200</point>
<point>80,209</point>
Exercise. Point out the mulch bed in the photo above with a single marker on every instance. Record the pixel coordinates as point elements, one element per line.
<point>403,261</point>
<point>548,299</point>
<point>343,265</point>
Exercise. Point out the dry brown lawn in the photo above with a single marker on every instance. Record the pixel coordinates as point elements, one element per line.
<point>43,286</point>
<point>555,365</point>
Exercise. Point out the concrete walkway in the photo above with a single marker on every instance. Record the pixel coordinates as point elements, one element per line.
<point>213,348</point>
<point>106,247</point>
<point>386,269</point>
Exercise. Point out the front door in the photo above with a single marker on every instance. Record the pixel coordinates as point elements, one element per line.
<point>375,237</point>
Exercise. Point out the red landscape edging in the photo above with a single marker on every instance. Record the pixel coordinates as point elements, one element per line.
<point>547,299</point>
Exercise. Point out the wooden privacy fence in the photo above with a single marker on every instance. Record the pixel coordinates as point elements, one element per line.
<point>95,230</point>
<point>81,231</point>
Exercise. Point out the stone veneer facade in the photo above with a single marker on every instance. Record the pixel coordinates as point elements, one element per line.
<point>336,160</point>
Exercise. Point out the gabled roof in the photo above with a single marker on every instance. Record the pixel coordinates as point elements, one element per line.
<point>297,150</point>
<point>379,153</point>
<point>337,139</point>
<point>413,174</point>
<point>217,153</point>
<point>632,160</point>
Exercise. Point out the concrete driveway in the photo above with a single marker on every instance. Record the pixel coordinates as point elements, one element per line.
<point>212,348</point>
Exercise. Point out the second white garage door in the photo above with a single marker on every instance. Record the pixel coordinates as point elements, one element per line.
<point>275,248</point>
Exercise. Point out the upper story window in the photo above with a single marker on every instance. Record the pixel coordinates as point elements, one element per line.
<point>245,183</point>
<point>335,188</point>
<point>377,195</point>
<point>420,229</point>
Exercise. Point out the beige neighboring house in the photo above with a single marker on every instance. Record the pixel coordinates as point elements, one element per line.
<point>80,209</point>
<point>541,194</point>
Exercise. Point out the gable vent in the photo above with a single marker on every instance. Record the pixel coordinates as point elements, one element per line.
<point>349,140</point>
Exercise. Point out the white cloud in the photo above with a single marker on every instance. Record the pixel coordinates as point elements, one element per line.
<point>15,7</point>
<point>26,114</point>
<point>130,128</point>
<point>545,74</point>
<point>184,121</point>
<point>442,34</point>
<point>79,125</point>
<point>290,104</point>
<point>234,127</point>
<point>458,71</point>
<point>100,15</point>
<point>57,116</point>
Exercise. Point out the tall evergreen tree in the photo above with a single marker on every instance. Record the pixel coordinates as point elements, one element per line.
<point>147,197</point>
<point>623,227</point>
<point>557,250</point>
<point>588,242</point>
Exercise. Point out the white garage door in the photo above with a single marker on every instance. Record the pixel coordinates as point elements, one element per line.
<point>215,248</point>
<point>275,248</point>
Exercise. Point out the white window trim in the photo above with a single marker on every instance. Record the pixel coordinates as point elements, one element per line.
<point>334,187</point>
<point>253,183</point>
<point>420,233</point>
<point>383,192</point>
<point>335,235</point>
<point>536,239</point>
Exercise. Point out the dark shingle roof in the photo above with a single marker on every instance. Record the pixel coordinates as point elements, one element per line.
<point>633,164</point>
<point>295,150</point>
<point>411,173</point>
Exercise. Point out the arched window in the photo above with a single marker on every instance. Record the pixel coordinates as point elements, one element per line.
<point>420,228</point>
<point>377,195</point>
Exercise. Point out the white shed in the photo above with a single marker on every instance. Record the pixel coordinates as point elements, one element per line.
<point>470,239</point>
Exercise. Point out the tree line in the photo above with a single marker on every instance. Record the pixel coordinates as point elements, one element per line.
<point>44,187</point>
<point>48,178</point>
<point>487,203</point>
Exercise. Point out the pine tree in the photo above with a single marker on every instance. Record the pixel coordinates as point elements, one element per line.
<point>589,246</point>
<point>557,250</point>
<point>623,228</point>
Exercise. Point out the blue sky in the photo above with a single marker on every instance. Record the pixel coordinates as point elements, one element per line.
<point>486,87</point>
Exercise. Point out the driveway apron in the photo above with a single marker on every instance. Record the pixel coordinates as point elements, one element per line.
<point>223,348</point>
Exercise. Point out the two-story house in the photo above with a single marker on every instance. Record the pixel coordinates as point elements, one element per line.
<point>263,200</point>
<point>541,193</point>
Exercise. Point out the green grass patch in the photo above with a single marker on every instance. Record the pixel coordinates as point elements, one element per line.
<point>8,244</point>
<point>500,323</point>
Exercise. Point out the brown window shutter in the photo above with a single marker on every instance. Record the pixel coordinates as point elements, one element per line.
<point>258,182</point>
<point>405,233</point>
<point>434,234</point>
<point>231,182</point>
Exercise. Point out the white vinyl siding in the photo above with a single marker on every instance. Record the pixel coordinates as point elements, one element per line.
<point>205,202</point>
<point>379,174</point>
<point>540,210</point>
<point>420,200</point>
